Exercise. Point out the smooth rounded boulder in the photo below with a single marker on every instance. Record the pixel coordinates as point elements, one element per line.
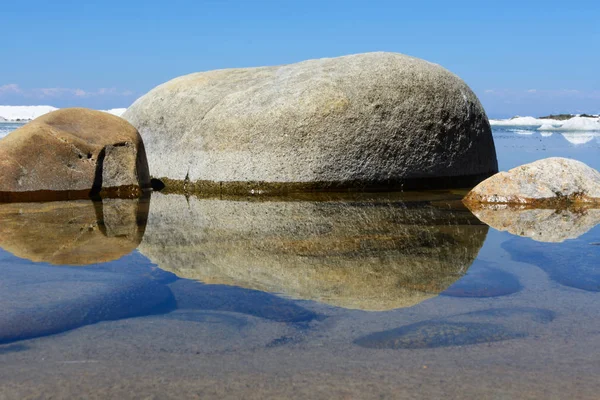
<point>551,182</point>
<point>374,120</point>
<point>73,150</point>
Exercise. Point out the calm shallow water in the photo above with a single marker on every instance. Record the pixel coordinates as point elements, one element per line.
<point>368,296</point>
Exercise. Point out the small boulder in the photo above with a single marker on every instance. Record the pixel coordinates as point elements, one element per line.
<point>73,150</point>
<point>549,182</point>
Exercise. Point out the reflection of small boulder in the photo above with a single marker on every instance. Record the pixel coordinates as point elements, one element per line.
<point>371,255</point>
<point>543,225</point>
<point>124,218</point>
<point>77,232</point>
<point>548,182</point>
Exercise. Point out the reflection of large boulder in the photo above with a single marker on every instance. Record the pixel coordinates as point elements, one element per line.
<point>362,254</point>
<point>73,149</point>
<point>552,181</point>
<point>77,232</point>
<point>543,225</point>
<point>374,119</point>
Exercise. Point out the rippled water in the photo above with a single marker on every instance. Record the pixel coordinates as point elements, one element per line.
<point>7,127</point>
<point>400,295</point>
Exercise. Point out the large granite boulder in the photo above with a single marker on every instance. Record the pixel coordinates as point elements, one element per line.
<point>549,182</point>
<point>72,150</point>
<point>370,254</point>
<point>79,232</point>
<point>375,120</point>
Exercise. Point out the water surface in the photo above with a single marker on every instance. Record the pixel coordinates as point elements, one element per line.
<point>363,296</point>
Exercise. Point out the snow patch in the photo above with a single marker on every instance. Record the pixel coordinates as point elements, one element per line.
<point>27,113</point>
<point>574,124</point>
<point>585,124</point>
<point>521,131</point>
<point>24,113</point>
<point>522,121</point>
<point>116,111</point>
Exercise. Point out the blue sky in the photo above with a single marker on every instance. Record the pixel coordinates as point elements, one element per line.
<point>520,57</point>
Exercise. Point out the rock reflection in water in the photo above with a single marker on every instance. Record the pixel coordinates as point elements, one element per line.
<point>542,225</point>
<point>79,232</point>
<point>371,255</point>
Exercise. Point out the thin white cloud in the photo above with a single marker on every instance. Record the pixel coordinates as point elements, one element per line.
<point>59,92</point>
<point>10,88</point>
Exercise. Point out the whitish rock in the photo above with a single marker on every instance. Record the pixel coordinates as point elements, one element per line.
<point>68,150</point>
<point>375,119</point>
<point>544,182</point>
<point>361,254</point>
<point>540,224</point>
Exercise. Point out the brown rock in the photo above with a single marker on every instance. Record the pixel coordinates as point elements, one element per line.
<point>73,150</point>
<point>77,232</point>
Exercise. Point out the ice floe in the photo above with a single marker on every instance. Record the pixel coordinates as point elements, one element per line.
<point>585,124</point>
<point>27,113</point>
<point>575,124</point>
<point>24,113</point>
<point>523,121</point>
<point>580,137</point>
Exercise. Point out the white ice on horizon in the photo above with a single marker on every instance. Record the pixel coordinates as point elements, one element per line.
<point>116,111</point>
<point>522,131</point>
<point>14,113</point>
<point>575,124</point>
<point>582,124</point>
<point>26,113</point>
<point>523,121</point>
